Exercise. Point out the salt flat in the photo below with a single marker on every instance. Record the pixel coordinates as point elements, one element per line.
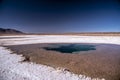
<point>31,39</point>
<point>12,69</point>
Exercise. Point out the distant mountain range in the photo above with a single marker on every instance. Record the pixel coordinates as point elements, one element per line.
<point>4,31</point>
<point>9,31</point>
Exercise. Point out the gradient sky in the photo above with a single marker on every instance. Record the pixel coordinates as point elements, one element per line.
<point>47,16</point>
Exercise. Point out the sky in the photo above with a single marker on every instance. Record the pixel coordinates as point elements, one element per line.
<point>57,16</point>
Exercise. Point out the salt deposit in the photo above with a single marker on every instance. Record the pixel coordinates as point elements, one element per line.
<point>31,39</point>
<point>11,67</point>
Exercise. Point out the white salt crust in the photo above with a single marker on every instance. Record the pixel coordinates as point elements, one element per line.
<point>31,39</point>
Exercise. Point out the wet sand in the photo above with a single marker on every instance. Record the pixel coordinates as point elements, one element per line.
<point>104,62</point>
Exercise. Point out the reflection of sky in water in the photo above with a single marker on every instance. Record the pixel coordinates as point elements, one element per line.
<point>70,48</point>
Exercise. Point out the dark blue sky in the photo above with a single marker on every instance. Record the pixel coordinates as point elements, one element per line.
<point>61,15</point>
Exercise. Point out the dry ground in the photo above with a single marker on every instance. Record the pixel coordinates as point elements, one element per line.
<point>70,33</point>
<point>104,62</point>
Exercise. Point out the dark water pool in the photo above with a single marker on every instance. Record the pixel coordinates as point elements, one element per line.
<point>70,48</point>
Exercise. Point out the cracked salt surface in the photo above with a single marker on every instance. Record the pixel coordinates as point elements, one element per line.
<point>12,69</point>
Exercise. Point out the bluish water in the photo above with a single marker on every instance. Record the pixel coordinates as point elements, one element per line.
<point>70,48</point>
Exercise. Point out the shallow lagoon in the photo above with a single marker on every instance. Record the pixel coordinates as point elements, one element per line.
<point>70,48</point>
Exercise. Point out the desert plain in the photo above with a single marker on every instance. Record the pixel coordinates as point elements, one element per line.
<point>103,63</point>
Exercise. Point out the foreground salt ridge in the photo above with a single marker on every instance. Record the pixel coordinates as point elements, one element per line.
<point>32,39</point>
<point>11,68</point>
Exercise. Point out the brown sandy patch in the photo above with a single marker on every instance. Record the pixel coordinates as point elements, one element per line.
<point>102,63</point>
